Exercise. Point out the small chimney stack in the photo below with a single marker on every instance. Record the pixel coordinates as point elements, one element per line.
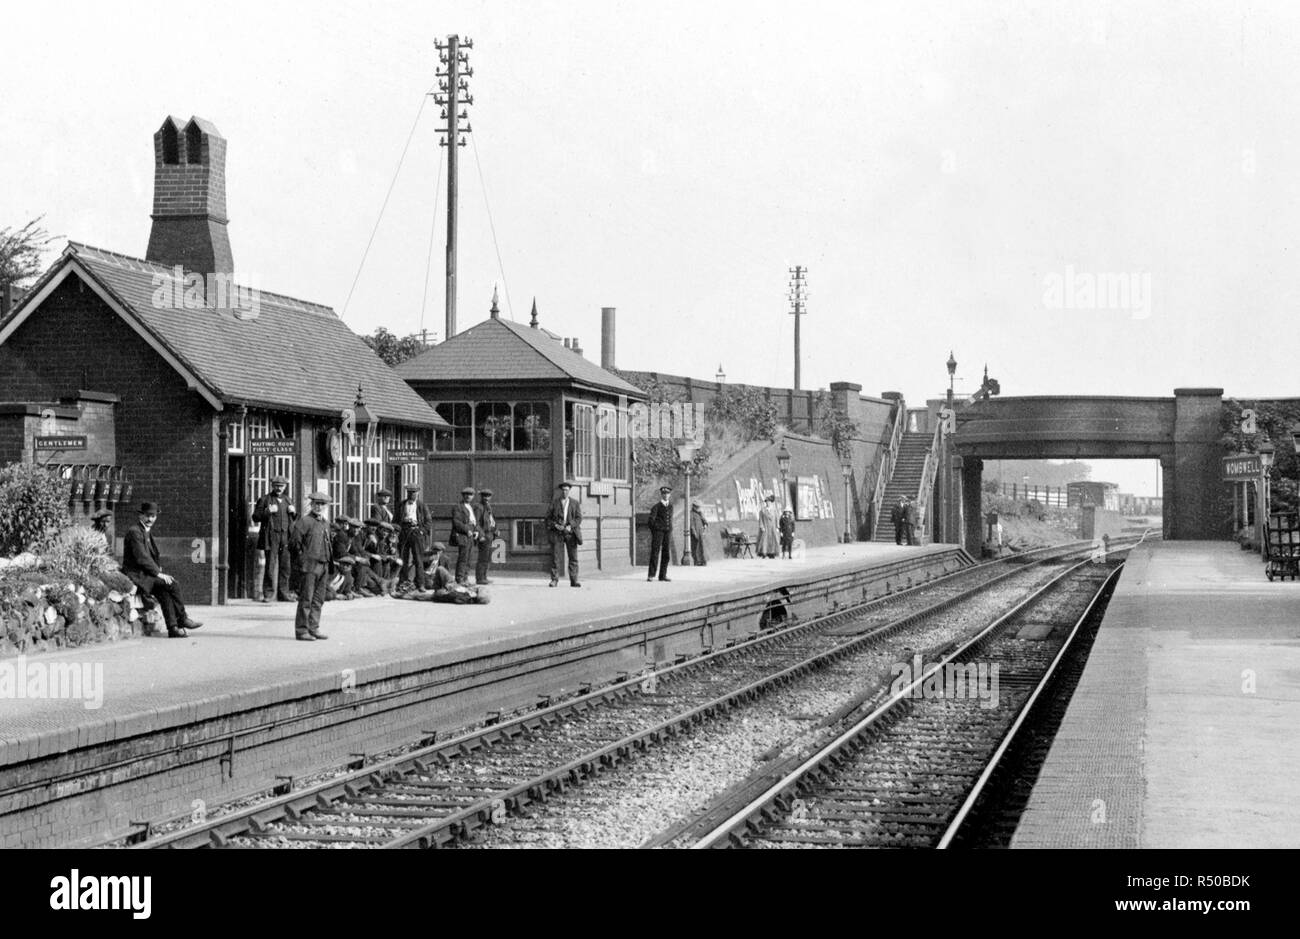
<point>607,337</point>
<point>576,347</point>
<point>566,342</point>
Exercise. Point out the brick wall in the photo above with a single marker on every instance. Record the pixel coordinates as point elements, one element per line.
<point>189,203</point>
<point>163,431</point>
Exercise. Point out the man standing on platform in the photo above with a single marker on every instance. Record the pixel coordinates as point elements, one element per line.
<point>273,512</point>
<point>140,559</point>
<point>896,515</point>
<point>413,518</point>
<point>487,533</point>
<point>310,545</point>
<point>661,533</point>
<point>382,510</point>
<point>910,521</point>
<point>564,529</point>
<point>464,532</point>
<point>699,525</point>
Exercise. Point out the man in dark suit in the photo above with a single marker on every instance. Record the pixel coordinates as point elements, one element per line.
<point>413,526</point>
<point>464,532</point>
<point>273,512</point>
<point>487,533</point>
<point>910,521</point>
<point>310,545</point>
<point>140,562</point>
<point>564,529</point>
<point>896,516</point>
<point>699,527</point>
<point>661,533</point>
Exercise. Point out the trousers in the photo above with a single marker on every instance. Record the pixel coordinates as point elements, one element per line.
<point>559,545</point>
<point>311,597</point>
<point>660,551</point>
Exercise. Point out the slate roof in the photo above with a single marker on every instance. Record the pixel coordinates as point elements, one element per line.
<point>293,355</point>
<point>497,349</point>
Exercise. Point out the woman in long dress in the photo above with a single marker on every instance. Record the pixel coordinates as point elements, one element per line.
<point>768,544</point>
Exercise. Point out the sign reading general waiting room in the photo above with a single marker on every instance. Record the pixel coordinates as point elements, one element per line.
<point>407,455</point>
<point>1241,468</point>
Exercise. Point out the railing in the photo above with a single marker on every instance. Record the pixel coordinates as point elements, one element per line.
<point>927,476</point>
<point>884,467</point>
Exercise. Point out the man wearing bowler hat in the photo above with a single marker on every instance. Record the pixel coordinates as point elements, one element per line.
<point>564,529</point>
<point>413,522</point>
<point>140,562</point>
<point>274,512</point>
<point>309,543</point>
<point>661,533</point>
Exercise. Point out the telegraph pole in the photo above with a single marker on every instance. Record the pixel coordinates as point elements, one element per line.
<point>798,300</point>
<point>453,94</point>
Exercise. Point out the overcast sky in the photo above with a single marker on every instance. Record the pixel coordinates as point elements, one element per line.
<point>957,175</point>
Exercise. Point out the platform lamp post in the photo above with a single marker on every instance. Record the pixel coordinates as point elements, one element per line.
<point>686,451</point>
<point>846,469</point>
<point>721,376</point>
<point>1266,451</point>
<point>783,463</point>
<point>952,374</point>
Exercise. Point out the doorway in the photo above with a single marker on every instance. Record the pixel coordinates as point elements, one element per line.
<point>238,575</point>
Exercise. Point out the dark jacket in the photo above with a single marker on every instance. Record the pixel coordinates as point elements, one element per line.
<point>277,521</point>
<point>309,543</point>
<point>465,523</point>
<point>698,523</point>
<point>785,525</point>
<point>909,513</point>
<point>140,557</point>
<point>896,514</point>
<point>421,516</point>
<point>383,512</point>
<point>555,520</point>
<point>661,517</point>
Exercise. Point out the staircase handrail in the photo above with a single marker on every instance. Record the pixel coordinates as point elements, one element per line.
<point>885,461</point>
<point>927,476</point>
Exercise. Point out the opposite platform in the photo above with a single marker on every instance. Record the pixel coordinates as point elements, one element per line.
<point>1181,732</point>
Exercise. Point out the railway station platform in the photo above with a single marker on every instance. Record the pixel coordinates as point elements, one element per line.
<point>240,704</point>
<point>1181,733</point>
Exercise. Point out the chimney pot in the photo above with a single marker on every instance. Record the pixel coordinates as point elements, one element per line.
<point>189,198</point>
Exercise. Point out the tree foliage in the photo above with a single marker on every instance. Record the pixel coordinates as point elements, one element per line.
<point>836,426</point>
<point>20,252</point>
<point>391,348</point>
<point>1273,421</point>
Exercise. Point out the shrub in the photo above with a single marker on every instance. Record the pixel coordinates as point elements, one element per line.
<point>33,502</point>
<point>78,550</point>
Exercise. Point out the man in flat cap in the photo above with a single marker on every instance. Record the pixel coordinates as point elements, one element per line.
<point>413,522</point>
<point>564,530</point>
<point>464,532</point>
<point>661,533</point>
<point>382,510</point>
<point>309,543</point>
<point>273,513</point>
<point>141,563</point>
<point>699,526</point>
<point>487,533</point>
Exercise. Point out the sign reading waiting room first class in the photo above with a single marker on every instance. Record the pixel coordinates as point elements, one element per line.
<point>271,446</point>
<point>1241,467</point>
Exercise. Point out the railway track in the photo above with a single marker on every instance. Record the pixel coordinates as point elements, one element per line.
<point>442,794</point>
<point>910,773</point>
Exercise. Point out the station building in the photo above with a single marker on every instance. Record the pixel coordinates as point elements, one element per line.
<point>176,384</point>
<point>525,411</point>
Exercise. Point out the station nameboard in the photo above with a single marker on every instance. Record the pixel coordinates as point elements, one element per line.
<point>271,446</point>
<point>407,455</point>
<point>70,442</point>
<point>1241,467</point>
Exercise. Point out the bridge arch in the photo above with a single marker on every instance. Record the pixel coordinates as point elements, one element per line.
<point>1182,432</point>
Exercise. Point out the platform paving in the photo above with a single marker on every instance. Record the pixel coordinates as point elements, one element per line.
<point>1183,730</point>
<point>247,650</point>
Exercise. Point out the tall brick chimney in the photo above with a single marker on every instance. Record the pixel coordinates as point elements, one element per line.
<point>189,198</point>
